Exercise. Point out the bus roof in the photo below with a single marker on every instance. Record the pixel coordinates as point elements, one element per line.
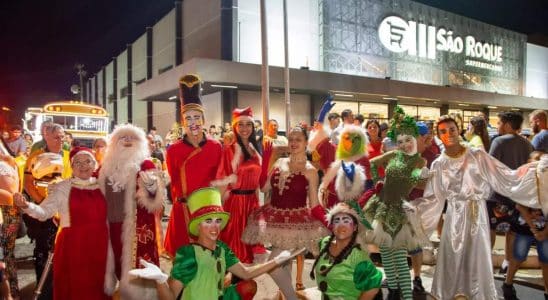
<point>72,107</point>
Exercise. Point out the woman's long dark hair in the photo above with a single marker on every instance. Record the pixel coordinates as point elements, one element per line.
<point>378,126</point>
<point>252,139</point>
<point>479,127</point>
<point>339,258</point>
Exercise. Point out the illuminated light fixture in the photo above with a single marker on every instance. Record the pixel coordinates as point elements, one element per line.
<point>4,108</point>
<point>492,107</point>
<point>172,98</point>
<point>464,104</point>
<point>344,95</point>
<point>224,86</point>
<point>93,111</point>
<point>391,98</point>
<point>514,109</point>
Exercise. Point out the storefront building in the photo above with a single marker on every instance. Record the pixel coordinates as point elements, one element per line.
<point>370,54</point>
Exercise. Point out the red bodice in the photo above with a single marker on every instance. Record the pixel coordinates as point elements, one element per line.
<point>290,194</point>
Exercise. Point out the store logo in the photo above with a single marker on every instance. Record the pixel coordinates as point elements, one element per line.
<point>418,39</point>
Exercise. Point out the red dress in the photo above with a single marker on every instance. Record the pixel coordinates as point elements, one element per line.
<point>190,168</point>
<point>374,149</point>
<point>241,197</point>
<point>81,250</point>
<point>286,222</point>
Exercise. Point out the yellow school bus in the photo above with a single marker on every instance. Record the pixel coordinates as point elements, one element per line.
<point>84,121</point>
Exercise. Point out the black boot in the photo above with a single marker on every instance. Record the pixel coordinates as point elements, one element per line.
<point>417,286</point>
<point>509,292</point>
<point>394,294</point>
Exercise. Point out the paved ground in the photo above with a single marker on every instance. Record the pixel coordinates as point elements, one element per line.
<point>267,288</point>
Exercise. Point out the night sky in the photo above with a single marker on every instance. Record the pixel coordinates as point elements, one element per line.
<point>41,41</point>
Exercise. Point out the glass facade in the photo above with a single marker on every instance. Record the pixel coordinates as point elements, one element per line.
<point>349,33</point>
<point>345,37</point>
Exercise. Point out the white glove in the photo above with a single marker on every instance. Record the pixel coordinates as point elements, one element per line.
<point>150,271</point>
<point>150,180</point>
<point>282,257</point>
<point>425,173</point>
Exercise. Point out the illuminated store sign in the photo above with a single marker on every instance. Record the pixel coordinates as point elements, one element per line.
<point>398,35</point>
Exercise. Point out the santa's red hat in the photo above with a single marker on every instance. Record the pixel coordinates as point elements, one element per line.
<point>242,114</point>
<point>81,150</point>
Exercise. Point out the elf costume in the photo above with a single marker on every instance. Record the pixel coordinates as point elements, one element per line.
<point>351,272</point>
<point>201,270</point>
<point>395,229</point>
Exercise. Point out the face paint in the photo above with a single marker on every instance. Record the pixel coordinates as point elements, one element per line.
<point>448,134</point>
<point>210,228</point>
<point>193,122</point>
<point>343,226</point>
<point>407,143</point>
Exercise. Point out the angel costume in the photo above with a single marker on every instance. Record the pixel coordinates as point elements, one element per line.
<point>464,259</point>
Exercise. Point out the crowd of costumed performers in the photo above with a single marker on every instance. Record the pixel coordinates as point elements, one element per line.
<point>321,196</point>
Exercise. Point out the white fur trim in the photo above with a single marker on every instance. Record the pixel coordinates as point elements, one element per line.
<point>237,157</point>
<point>243,118</point>
<point>131,287</point>
<point>83,152</point>
<point>350,190</point>
<point>340,208</point>
<point>110,275</point>
<point>316,137</point>
<point>101,180</point>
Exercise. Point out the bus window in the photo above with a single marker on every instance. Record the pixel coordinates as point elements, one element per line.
<point>91,124</point>
<point>68,122</point>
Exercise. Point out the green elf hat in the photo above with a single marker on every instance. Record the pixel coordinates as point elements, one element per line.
<point>402,124</point>
<point>203,204</point>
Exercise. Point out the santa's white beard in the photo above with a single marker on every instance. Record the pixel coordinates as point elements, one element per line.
<point>122,165</point>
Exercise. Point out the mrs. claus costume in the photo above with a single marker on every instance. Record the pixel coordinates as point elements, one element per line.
<point>240,177</point>
<point>82,242</point>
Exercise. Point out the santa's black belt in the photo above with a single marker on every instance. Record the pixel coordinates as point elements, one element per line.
<point>242,192</point>
<point>181,199</point>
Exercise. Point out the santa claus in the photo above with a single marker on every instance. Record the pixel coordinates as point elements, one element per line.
<point>130,183</point>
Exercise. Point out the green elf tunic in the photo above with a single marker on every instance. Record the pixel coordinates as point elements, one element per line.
<point>349,278</point>
<point>202,271</point>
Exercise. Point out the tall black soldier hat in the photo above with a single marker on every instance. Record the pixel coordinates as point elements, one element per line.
<point>190,93</point>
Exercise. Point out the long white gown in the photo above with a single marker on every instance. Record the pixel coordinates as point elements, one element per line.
<point>464,258</point>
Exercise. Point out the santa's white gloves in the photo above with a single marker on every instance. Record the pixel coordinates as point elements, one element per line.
<point>425,173</point>
<point>150,180</point>
<point>150,271</point>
